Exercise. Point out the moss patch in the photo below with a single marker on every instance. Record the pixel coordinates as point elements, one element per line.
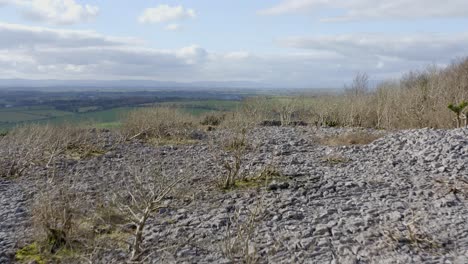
<point>78,152</point>
<point>30,253</point>
<point>262,179</point>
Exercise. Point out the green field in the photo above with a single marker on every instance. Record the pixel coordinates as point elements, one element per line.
<point>111,118</point>
<point>21,114</point>
<point>205,106</point>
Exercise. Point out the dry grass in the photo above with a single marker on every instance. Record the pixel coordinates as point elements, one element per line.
<point>414,235</point>
<point>347,139</point>
<point>159,125</point>
<point>335,159</point>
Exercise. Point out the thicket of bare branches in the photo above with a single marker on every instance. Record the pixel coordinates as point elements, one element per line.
<point>418,99</point>
<point>159,123</point>
<point>34,144</point>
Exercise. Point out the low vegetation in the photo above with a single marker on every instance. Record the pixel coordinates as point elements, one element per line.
<point>412,235</point>
<point>346,139</point>
<point>335,159</point>
<point>237,245</point>
<point>32,145</point>
<point>236,148</point>
<point>67,225</point>
<point>139,198</point>
<point>159,125</point>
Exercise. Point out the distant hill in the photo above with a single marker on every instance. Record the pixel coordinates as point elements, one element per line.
<point>138,84</point>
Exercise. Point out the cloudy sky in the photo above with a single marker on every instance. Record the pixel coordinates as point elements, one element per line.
<point>290,43</point>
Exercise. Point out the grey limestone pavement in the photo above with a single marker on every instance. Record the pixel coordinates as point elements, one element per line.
<point>399,199</point>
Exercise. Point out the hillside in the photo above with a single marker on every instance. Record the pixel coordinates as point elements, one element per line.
<point>313,197</point>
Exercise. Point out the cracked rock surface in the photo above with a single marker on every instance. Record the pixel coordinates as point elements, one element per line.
<point>399,199</point>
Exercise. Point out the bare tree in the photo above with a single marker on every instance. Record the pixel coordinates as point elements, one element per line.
<point>360,85</point>
<point>142,194</point>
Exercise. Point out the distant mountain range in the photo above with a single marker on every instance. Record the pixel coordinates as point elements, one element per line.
<point>126,84</point>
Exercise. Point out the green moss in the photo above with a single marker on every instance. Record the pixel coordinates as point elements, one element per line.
<point>265,177</point>
<point>30,253</point>
<point>78,152</point>
<point>248,184</point>
<point>33,253</point>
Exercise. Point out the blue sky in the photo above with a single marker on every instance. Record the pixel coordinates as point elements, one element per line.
<point>289,43</point>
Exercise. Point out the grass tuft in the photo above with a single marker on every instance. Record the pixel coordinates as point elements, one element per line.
<point>348,139</point>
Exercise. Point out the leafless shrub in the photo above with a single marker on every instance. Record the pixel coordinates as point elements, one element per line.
<point>212,119</point>
<point>71,224</point>
<point>159,124</point>
<point>139,197</point>
<point>236,148</point>
<point>418,99</point>
<point>55,214</point>
<point>63,223</point>
<point>251,112</point>
<point>237,245</point>
<point>35,144</point>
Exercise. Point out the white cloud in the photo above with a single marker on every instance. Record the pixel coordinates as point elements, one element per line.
<point>415,47</point>
<point>237,55</point>
<point>165,13</point>
<point>173,27</point>
<point>60,12</point>
<point>373,9</point>
<point>19,36</point>
<point>44,53</point>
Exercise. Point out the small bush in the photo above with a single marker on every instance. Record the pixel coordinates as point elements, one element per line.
<point>55,213</point>
<point>160,124</point>
<point>138,199</point>
<point>70,225</point>
<point>237,244</point>
<point>212,119</point>
<point>236,148</point>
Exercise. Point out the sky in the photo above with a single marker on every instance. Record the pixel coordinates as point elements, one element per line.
<point>287,43</point>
